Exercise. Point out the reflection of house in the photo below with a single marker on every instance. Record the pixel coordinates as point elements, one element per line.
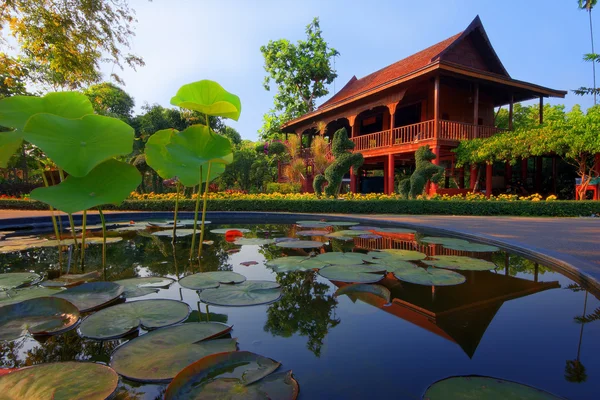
<point>437,97</point>
<point>458,313</point>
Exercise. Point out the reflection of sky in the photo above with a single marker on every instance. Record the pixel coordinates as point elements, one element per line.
<point>374,354</point>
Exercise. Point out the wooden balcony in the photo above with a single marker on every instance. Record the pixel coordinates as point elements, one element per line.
<point>450,132</point>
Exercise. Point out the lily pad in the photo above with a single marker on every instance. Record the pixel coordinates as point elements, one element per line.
<point>339,258</point>
<point>347,233</point>
<point>461,263</point>
<point>411,273</point>
<point>225,230</point>
<point>178,233</point>
<point>13,296</point>
<point>483,387</point>
<point>26,244</point>
<point>99,240</point>
<point>72,279</point>
<point>300,244</point>
<point>253,241</point>
<point>92,295</point>
<point>79,145</point>
<point>238,374</point>
<point>285,239</point>
<point>312,233</point>
<point>387,255</point>
<point>123,319</point>
<point>443,240</point>
<point>362,273</point>
<point>370,236</point>
<point>295,263</point>
<point>14,280</point>
<point>342,223</point>
<point>208,97</point>
<point>159,355</point>
<point>60,381</point>
<point>359,289</point>
<point>248,293</point>
<point>39,316</point>
<point>109,183</point>
<point>212,279</point>
<point>136,287</point>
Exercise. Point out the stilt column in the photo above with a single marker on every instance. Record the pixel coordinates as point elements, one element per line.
<point>390,174</point>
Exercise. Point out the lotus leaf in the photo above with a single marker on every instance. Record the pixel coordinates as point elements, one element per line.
<point>18,295</point>
<point>13,280</point>
<point>159,355</point>
<point>208,97</point>
<point>79,145</point>
<point>234,375</point>
<point>225,230</point>
<point>60,381</point>
<point>396,230</point>
<point>348,233</point>
<point>136,287</point>
<point>460,263</point>
<point>312,233</point>
<point>212,279</point>
<point>482,387</point>
<point>10,142</point>
<point>285,239</point>
<point>295,263</point>
<point>109,183</point>
<point>18,245</point>
<point>389,255</point>
<point>99,240</point>
<point>364,228</point>
<point>16,110</point>
<point>195,147</point>
<point>342,223</point>
<point>343,238</point>
<point>92,295</point>
<point>38,316</point>
<point>248,293</point>
<point>443,240</point>
<point>411,273</point>
<point>72,279</point>
<point>339,258</point>
<point>181,222</point>
<point>370,236</point>
<point>359,289</point>
<point>252,241</point>
<point>123,319</point>
<point>178,233</point>
<point>300,244</point>
<point>362,273</point>
<point>313,224</point>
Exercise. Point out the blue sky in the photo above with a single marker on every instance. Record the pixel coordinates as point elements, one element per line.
<point>187,40</point>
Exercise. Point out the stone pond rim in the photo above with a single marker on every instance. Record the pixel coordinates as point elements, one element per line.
<point>577,269</point>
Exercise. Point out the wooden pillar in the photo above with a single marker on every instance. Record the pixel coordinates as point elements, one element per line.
<point>432,186</point>
<point>510,112</point>
<point>488,180</point>
<point>476,111</point>
<point>353,127</point>
<point>436,108</point>
<point>461,178</point>
<point>538,173</point>
<point>390,175</point>
<point>473,179</point>
<point>392,109</point>
<point>541,110</point>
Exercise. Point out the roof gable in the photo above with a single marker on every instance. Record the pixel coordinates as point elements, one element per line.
<point>470,48</point>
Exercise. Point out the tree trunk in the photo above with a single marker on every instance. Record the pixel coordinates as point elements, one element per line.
<point>476,187</point>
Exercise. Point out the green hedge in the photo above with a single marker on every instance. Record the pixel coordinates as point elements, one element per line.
<point>414,207</point>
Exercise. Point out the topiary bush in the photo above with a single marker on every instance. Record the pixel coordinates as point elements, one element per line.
<point>274,187</point>
<point>344,160</point>
<point>425,171</point>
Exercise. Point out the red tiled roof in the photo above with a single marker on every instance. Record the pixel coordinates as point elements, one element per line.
<point>400,68</point>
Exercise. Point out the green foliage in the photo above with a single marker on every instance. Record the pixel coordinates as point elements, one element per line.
<point>62,43</point>
<point>110,100</point>
<point>301,73</point>
<point>286,187</point>
<point>344,160</point>
<point>425,171</point>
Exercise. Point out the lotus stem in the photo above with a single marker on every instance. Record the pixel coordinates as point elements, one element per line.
<point>196,218</point>
<point>205,195</point>
<point>175,214</point>
<point>103,242</point>
<point>56,232</point>
<point>71,222</point>
<point>83,223</point>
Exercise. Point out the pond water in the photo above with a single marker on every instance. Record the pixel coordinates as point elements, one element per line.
<point>516,322</point>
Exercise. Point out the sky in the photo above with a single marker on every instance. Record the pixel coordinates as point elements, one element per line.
<point>182,41</point>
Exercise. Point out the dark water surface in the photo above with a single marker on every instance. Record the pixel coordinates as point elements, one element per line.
<point>516,323</point>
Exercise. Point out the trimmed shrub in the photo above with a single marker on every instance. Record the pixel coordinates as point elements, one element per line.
<point>284,188</point>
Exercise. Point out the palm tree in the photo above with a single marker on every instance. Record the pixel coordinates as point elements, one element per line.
<point>588,5</point>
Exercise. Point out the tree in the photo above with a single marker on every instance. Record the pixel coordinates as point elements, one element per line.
<point>588,5</point>
<point>63,42</point>
<point>301,73</point>
<point>110,100</point>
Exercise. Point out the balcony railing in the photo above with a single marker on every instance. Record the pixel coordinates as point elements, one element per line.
<point>421,132</point>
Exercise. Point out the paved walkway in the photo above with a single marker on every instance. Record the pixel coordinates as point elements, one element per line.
<point>574,241</point>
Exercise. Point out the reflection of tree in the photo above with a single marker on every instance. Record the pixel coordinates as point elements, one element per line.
<point>517,264</point>
<point>304,308</point>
